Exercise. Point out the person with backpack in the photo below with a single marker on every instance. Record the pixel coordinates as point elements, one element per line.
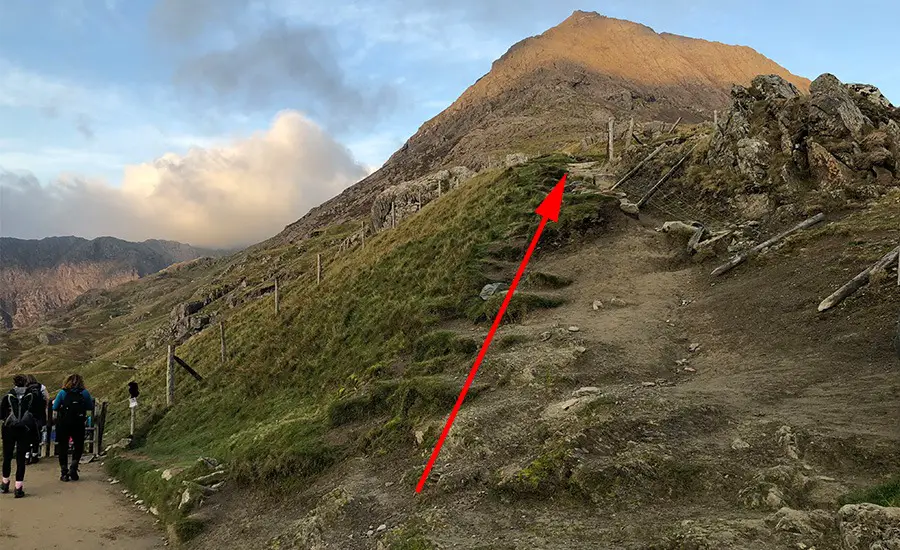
<point>18,412</point>
<point>71,405</point>
<point>41,397</point>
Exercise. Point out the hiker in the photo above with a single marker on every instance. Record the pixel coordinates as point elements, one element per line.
<point>41,396</point>
<point>18,411</point>
<point>71,405</point>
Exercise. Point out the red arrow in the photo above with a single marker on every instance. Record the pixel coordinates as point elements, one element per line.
<point>548,210</point>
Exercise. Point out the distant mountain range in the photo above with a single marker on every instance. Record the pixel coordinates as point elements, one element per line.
<point>37,276</point>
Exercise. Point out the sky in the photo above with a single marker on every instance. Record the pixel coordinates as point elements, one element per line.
<point>218,122</point>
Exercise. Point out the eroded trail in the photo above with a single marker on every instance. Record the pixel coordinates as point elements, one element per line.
<point>89,513</point>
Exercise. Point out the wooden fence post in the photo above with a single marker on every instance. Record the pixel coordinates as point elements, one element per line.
<point>100,426</point>
<point>440,188</point>
<point>363,227</point>
<point>276,295</point>
<point>629,140</point>
<point>222,339</point>
<point>716,120</point>
<point>170,376</point>
<point>318,269</point>
<point>131,426</point>
<point>393,215</point>
<point>610,152</point>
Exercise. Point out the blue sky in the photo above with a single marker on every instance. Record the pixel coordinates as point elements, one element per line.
<point>91,89</point>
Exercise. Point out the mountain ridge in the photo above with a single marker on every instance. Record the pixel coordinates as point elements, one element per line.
<point>39,275</point>
<point>549,89</point>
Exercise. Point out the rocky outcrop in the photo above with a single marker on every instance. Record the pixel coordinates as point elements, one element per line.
<point>776,143</point>
<point>403,200</point>
<point>869,527</point>
<point>37,276</point>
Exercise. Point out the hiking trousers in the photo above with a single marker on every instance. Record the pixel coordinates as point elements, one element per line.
<point>63,433</point>
<point>15,443</point>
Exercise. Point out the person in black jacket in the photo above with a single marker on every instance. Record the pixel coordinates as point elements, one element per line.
<point>41,396</point>
<point>71,405</point>
<point>18,411</point>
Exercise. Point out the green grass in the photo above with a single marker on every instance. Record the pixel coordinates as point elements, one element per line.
<point>363,348</point>
<point>886,494</point>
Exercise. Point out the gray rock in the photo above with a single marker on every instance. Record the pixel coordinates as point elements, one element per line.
<point>772,86</point>
<point>832,175</point>
<point>587,390</point>
<point>50,338</point>
<point>568,407</point>
<point>516,159</point>
<point>629,207</point>
<point>210,479</point>
<point>832,111</point>
<point>869,527</point>
<point>811,523</point>
<point>211,463</point>
<point>493,288</point>
<point>871,94</point>
<point>753,158</point>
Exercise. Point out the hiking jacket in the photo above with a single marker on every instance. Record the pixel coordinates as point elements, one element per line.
<point>61,396</point>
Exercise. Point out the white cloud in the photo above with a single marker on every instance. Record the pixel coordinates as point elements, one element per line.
<point>223,196</point>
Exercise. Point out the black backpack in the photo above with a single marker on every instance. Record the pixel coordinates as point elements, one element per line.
<point>20,415</point>
<point>74,408</point>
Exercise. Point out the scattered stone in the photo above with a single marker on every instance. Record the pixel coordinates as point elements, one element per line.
<point>210,462</point>
<point>209,479</point>
<point>546,336</point>
<point>869,527</point>
<point>629,207</point>
<point>493,288</point>
<point>114,482</point>
<point>693,348</point>
<point>580,349</point>
<point>381,528</point>
<point>739,444</point>
<point>690,369</point>
<point>812,523</point>
<point>139,502</point>
<point>574,328</point>
<point>587,390</point>
<point>648,384</point>
<point>389,484</point>
<point>682,362</point>
<point>597,305</point>
<point>169,473</point>
<point>420,437</point>
<point>788,440</point>
<point>370,532</point>
<point>618,302</point>
<point>217,486</point>
<point>569,406</point>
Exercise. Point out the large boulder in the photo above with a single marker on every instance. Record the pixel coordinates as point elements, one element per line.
<point>832,175</point>
<point>753,158</point>
<point>186,309</point>
<point>772,86</point>
<point>832,111</point>
<point>869,527</point>
<point>871,94</point>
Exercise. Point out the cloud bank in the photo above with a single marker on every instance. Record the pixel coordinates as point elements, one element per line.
<point>226,196</point>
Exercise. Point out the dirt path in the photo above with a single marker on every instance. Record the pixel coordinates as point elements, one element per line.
<point>89,513</point>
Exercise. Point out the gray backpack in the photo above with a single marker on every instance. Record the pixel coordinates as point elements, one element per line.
<point>20,415</point>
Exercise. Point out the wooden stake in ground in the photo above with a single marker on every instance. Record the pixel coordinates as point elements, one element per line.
<point>170,376</point>
<point>859,281</point>
<point>629,140</point>
<point>222,340</point>
<point>646,198</point>
<point>672,129</point>
<point>276,296</point>
<point>610,153</point>
<point>634,170</point>
<point>131,425</point>
<point>741,258</point>
<point>716,120</point>
<point>318,269</point>
<point>393,216</point>
<point>363,233</point>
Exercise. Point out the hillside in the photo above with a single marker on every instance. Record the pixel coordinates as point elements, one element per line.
<point>630,400</point>
<point>552,91</point>
<point>38,276</point>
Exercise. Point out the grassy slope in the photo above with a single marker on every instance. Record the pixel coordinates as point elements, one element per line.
<point>361,346</point>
